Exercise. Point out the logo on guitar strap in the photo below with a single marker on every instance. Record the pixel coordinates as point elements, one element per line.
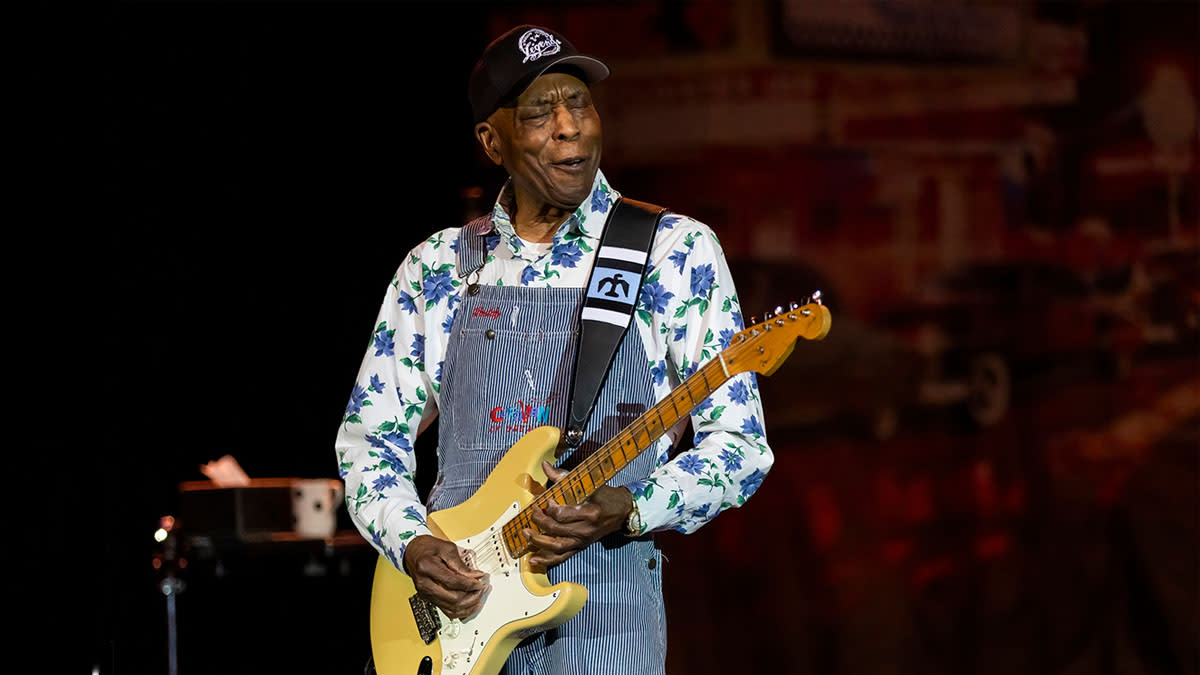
<point>613,285</point>
<point>614,280</point>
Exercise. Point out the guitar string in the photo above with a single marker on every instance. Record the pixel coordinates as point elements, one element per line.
<point>490,557</point>
<point>595,462</point>
<point>486,553</point>
<point>493,554</point>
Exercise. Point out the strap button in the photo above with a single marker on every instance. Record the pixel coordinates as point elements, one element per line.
<point>574,437</point>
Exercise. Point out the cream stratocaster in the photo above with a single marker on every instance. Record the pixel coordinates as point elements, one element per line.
<point>411,636</point>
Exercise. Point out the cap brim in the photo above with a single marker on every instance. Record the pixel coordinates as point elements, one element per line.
<point>594,69</point>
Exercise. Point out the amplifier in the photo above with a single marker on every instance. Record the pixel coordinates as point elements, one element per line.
<point>262,510</point>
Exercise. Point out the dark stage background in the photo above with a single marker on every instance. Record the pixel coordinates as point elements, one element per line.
<point>1003,485</point>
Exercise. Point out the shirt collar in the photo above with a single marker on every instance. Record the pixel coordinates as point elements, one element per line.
<point>587,221</point>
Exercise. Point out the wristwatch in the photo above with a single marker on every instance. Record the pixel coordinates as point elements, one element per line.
<point>633,524</point>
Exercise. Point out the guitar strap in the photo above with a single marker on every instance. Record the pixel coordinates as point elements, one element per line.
<point>610,298</point>
<point>609,301</point>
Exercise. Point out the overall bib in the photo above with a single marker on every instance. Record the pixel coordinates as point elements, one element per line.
<point>507,370</point>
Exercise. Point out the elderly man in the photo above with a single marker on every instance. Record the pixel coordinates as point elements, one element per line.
<point>489,349</point>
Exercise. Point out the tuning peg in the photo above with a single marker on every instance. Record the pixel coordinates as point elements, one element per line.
<point>753,319</point>
<point>778,310</point>
<point>816,297</point>
<point>794,305</point>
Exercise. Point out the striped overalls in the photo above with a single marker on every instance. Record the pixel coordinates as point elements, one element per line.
<point>507,370</point>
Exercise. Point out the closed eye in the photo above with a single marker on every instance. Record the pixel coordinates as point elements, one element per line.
<point>535,113</point>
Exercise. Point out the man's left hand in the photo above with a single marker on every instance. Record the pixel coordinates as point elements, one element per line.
<point>568,529</point>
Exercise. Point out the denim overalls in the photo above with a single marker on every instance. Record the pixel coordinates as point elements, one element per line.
<point>507,370</point>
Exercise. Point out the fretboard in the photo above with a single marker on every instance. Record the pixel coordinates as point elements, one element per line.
<point>600,467</point>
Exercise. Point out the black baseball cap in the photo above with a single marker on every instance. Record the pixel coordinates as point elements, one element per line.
<point>514,60</point>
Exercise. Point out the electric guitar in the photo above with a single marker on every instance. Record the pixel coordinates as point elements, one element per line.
<point>411,636</point>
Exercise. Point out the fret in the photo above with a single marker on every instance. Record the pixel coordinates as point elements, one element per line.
<point>618,445</point>
<point>682,398</point>
<point>661,422</point>
<point>703,373</point>
<point>511,538</point>
<point>595,470</point>
<point>686,401</point>
<point>643,432</point>
<point>674,400</point>
<point>687,389</point>
<point>580,494</point>
<point>651,433</point>
<point>628,444</point>
<point>708,384</point>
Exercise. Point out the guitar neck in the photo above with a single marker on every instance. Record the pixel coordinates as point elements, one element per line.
<point>600,467</point>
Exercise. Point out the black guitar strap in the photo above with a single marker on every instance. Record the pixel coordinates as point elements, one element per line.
<point>609,301</point>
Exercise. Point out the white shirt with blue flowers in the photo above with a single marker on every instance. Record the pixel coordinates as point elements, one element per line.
<point>687,312</point>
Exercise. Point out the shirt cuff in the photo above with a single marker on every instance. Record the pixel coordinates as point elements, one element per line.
<point>658,500</point>
<point>408,536</point>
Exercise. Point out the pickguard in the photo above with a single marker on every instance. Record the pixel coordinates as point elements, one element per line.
<point>506,602</point>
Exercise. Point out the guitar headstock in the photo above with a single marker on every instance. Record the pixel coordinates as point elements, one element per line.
<point>764,346</point>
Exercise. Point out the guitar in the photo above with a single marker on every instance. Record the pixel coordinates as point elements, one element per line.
<point>412,636</point>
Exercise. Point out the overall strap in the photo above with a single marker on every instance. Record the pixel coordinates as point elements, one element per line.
<point>609,301</point>
<point>472,245</point>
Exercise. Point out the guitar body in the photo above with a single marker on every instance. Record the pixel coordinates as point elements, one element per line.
<point>521,601</point>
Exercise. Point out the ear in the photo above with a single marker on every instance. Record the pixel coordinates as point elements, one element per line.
<point>490,140</point>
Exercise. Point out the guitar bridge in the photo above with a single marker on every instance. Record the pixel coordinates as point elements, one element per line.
<point>428,621</point>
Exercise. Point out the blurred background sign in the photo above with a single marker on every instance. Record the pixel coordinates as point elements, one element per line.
<point>899,30</point>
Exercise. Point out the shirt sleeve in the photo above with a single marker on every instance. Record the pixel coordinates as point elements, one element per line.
<point>391,398</point>
<point>690,304</point>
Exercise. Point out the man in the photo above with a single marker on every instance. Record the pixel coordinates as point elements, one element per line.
<point>490,352</point>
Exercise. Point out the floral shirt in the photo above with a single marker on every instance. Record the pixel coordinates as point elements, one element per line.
<point>687,312</point>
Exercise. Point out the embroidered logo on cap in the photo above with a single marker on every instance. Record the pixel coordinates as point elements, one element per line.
<point>536,43</point>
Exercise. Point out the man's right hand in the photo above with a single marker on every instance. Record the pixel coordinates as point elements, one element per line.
<point>441,576</point>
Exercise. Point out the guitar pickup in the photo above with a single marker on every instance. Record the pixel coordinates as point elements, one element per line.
<point>426,616</point>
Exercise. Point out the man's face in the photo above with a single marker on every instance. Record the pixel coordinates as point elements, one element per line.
<point>549,143</point>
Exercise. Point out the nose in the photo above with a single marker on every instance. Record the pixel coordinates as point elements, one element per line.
<point>566,128</point>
